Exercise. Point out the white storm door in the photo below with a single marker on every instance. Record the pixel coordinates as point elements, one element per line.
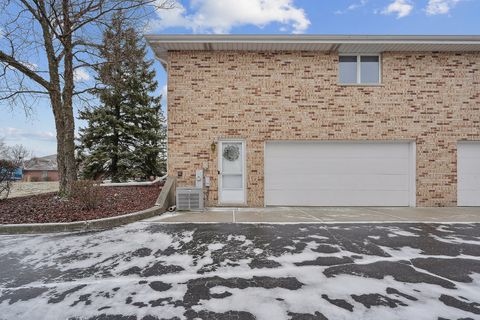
<point>231,172</point>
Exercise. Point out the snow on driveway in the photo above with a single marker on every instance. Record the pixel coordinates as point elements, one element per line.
<point>244,271</point>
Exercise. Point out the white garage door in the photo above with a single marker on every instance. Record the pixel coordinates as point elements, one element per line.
<point>339,174</point>
<point>468,174</point>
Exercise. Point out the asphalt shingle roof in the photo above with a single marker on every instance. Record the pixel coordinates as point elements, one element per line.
<point>42,163</point>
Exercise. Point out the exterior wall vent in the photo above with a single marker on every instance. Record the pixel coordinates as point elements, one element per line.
<point>189,199</point>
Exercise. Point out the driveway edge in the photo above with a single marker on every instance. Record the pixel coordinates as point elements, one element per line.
<point>164,201</point>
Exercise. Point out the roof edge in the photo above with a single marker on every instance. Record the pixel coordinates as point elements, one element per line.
<point>315,38</point>
<point>162,44</point>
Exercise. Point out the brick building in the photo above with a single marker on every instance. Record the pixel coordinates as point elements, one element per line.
<point>325,120</point>
<point>41,169</point>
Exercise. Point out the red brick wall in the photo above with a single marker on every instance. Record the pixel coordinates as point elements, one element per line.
<point>29,175</point>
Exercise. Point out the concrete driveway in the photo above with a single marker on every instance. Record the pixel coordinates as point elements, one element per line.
<point>154,270</point>
<point>324,215</point>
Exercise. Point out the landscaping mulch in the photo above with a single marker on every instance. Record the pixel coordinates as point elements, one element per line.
<point>49,207</point>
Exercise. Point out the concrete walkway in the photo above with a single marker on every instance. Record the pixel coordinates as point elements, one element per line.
<point>322,215</point>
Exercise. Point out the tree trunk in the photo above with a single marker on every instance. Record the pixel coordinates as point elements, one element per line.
<point>116,142</point>
<point>67,168</point>
<point>65,144</point>
<point>70,175</point>
<point>62,169</point>
<point>68,136</point>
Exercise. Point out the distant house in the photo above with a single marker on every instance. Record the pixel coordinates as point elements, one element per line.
<point>41,169</point>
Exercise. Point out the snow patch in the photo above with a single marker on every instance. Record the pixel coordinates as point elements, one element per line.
<point>215,246</point>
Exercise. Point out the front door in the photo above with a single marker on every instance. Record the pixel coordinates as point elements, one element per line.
<point>231,172</point>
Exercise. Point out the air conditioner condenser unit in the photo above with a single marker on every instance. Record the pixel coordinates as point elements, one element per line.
<point>189,199</point>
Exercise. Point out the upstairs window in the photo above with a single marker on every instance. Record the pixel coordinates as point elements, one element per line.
<point>359,69</point>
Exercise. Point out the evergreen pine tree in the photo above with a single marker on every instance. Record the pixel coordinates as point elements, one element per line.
<point>125,135</point>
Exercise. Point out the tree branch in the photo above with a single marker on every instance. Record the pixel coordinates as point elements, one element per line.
<point>13,94</point>
<point>87,90</point>
<point>9,60</point>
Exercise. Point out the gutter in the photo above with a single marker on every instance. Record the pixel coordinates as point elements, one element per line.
<point>340,39</point>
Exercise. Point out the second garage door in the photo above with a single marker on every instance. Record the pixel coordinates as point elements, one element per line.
<point>339,174</point>
<point>468,174</point>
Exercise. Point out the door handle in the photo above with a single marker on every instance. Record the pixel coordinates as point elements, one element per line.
<point>218,172</point>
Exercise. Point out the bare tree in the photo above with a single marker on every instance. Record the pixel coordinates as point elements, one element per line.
<point>11,158</point>
<point>19,153</point>
<point>7,170</point>
<point>3,149</point>
<point>62,37</point>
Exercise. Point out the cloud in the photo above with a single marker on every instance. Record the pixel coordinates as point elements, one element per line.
<point>18,135</point>
<point>357,5</point>
<point>164,91</point>
<point>81,74</point>
<point>220,16</point>
<point>401,8</point>
<point>353,6</point>
<point>435,7</point>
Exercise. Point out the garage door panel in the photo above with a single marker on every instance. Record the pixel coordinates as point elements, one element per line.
<point>334,198</point>
<point>337,150</point>
<point>338,166</point>
<point>338,173</point>
<point>338,182</point>
<point>470,182</point>
<point>468,174</point>
<point>470,165</point>
<point>467,198</point>
<point>469,149</point>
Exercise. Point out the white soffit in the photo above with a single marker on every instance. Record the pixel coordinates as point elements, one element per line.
<point>161,44</point>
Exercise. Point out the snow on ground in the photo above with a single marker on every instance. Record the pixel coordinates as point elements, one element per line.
<point>22,189</point>
<point>244,271</point>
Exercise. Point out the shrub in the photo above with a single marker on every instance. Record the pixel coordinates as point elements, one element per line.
<point>34,179</point>
<point>7,170</point>
<point>86,192</point>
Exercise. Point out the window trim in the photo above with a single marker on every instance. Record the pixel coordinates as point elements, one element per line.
<point>359,68</point>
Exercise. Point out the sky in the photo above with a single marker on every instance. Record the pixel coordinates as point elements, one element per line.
<point>427,17</point>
